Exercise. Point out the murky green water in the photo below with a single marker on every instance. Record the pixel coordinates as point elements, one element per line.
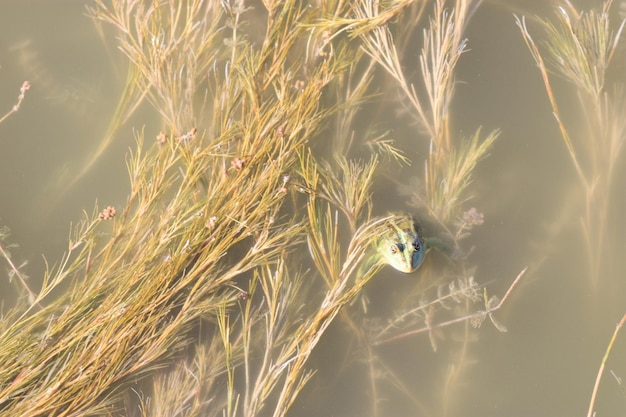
<point>559,321</point>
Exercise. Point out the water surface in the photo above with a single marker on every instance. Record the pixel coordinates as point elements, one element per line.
<point>559,321</point>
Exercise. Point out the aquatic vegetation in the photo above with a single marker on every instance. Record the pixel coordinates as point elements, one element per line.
<point>579,48</point>
<point>198,296</point>
<point>449,166</point>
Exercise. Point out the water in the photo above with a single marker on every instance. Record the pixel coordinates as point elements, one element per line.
<point>559,323</point>
<point>76,82</point>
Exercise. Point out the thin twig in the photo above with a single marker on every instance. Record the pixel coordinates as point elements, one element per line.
<point>25,87</point>
<point>431,327</point>
<point>31,295</point>
<point>602,365</point>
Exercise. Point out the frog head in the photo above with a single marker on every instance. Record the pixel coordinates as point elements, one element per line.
<point>400,245</point>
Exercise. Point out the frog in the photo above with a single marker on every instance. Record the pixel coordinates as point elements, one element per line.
<point>401,241</point>
<point>400,244</point>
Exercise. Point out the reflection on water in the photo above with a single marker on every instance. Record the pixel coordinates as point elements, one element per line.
<point>558,323</point>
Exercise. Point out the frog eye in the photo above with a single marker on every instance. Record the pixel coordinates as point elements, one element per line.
<point>397,247</point>
<point>417,246</point>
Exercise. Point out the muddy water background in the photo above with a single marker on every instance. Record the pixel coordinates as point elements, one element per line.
<point>559,323</point>
<point>75,84</point>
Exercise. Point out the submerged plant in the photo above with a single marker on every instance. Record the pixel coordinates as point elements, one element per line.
<point>450,161</point>
<point>579,48</point>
